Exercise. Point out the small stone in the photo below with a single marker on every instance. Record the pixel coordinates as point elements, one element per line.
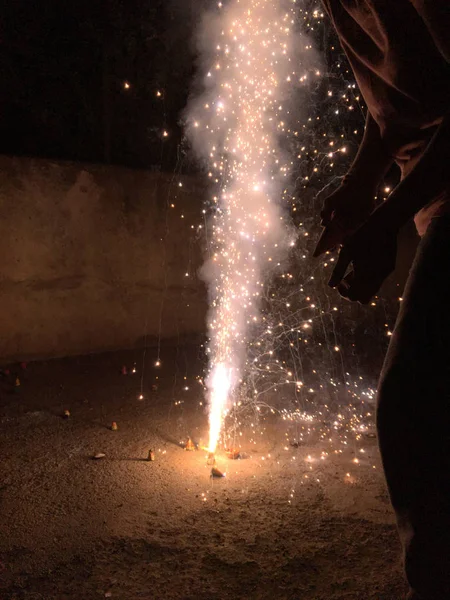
<point>99,455</point>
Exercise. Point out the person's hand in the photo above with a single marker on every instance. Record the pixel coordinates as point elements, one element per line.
<point>343,212</point>
<point>371,252</point>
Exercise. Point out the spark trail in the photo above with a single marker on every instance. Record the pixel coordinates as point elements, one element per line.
<point>236,124</point>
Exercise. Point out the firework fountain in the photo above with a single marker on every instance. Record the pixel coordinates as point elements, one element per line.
<point>236,124</point>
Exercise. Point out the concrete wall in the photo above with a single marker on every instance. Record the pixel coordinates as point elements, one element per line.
<point>95,257</point>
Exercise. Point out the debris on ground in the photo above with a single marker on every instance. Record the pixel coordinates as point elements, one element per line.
<point>190,445</point>
<point>234,453</point>
<point>99,455</point>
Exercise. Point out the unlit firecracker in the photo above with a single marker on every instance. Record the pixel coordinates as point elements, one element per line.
<point>124,370</point>
<point>99,455</point>
<point>151,456</point>
<point>114,426</point>
<point>216,473</point>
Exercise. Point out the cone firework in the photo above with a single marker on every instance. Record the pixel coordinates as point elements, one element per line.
<point>216,473</point>
<point>189,444</point>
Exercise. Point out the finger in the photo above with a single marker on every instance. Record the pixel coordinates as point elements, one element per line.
<point>344,288</point>
<point>350,292</point>
<point>331,236</point>
<point>358,293</point>
<point>356,290</point>
<point>322,244</point>
<point>341,267</point>
<point>361,288</point>
<point>326,215</point>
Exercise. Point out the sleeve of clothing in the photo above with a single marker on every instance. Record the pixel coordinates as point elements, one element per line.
<point>436,16</point>
<point>372,159</point>
<point>434,13</point>
<point>327,8</point>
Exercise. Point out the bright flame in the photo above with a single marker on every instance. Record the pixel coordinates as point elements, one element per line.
<point>235,125</point>
<point>220,384</point>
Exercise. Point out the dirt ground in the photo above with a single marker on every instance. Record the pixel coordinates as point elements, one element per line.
<point>308,521</point>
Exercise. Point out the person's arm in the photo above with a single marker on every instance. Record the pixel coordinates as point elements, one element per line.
<point>436,16</point>
<point>350,205</point>
<point>371,250</point>
<point>429,178</point>
<point>372,159</point>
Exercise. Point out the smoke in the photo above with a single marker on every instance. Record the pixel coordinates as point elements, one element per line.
<point>252,62</point>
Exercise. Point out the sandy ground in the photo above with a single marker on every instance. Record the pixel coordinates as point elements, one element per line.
<point>284,523</point>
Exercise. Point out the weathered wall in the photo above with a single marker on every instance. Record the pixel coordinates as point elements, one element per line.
<point>95,257</point>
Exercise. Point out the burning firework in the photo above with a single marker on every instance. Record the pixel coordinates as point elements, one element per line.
<point>235,125</point>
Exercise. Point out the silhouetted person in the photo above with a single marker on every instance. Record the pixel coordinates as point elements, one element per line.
<point>399,51</point>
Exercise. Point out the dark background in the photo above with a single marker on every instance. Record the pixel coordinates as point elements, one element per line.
<point>64,67</point>
<point>102,81</point>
